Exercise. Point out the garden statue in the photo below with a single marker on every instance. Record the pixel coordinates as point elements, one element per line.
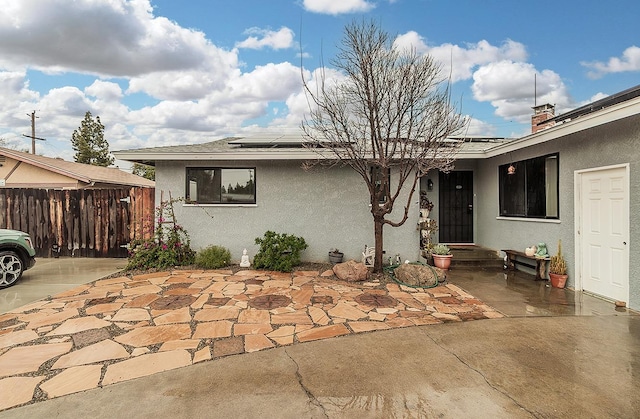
<point>368,256</point>
<point>244,261</point>
<point>542,250</point>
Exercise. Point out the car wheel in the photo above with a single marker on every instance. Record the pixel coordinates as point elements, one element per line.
<point>11,268</point>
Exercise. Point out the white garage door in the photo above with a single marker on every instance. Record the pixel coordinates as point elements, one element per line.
<point>604,230</point>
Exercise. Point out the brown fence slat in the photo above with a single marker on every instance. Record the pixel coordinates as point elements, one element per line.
<point>84,221</point>
<point>89,222</point>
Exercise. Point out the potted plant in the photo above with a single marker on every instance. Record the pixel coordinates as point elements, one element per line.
<point>441,256</point>
<point>425,205</point>
<point>335,256</point>
<point>558,269</point>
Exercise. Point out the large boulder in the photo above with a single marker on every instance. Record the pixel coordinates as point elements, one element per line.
<point>419,275</point>
<point>351,271</point>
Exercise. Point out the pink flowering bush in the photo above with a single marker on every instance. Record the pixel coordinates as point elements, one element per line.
<point>169,246</point>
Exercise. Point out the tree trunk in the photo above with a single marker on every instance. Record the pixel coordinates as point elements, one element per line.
<point>378,224</point>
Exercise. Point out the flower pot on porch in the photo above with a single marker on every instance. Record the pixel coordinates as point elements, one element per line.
<point>335,257</point>
<point>442,261</point>
<point>558,281</point>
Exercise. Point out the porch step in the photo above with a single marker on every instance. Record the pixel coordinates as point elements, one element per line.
<point>475,256</point>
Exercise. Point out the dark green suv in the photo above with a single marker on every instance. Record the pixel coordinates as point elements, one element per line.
<point>16,256</point>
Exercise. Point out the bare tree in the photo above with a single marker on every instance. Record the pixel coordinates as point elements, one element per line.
<point>389,118</point>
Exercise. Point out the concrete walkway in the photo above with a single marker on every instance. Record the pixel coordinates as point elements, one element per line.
<point>51,276</point>
<point>510,367</point>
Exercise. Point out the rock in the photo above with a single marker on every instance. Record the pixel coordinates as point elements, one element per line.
<point>419,275</point>
<point>351,271</point>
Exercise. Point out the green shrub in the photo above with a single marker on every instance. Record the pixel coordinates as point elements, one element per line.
<point>213,257</point>
<point>169,246</point>
<point>279,252</point>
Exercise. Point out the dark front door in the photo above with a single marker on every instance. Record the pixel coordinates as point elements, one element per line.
<point>456,207</point>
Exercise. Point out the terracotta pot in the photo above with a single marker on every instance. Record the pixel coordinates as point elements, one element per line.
<point>442,261</point>
<point>558,281</point>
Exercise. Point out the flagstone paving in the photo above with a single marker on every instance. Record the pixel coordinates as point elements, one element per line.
<point>123,328</point>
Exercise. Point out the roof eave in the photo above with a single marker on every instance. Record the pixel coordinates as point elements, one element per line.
<point>277,154</point>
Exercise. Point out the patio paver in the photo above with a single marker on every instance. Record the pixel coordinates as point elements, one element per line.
<point>122,328</point>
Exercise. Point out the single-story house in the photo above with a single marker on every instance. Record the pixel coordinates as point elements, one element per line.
<point>576,178</point>
<point>24,170</point>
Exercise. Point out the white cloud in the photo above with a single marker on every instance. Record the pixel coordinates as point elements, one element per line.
<point>464,58</point>
<point>14,91</point>
<point>114,38</point>
<point>270,82</point>
<point>501,76</point>
<point>298,103</point>
<point>264,38</point>
<point>509,86</point>
<point>481,128</point>
<point>68,100</point>
<point>594,98</point>
<point>107,91</point>
<point>630,61</point>
<point>219,112</point>
<point>336,7</point>
<point>188,84</point>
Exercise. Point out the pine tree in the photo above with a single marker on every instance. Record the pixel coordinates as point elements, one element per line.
<point>89,144</point>
<point>148,172</point>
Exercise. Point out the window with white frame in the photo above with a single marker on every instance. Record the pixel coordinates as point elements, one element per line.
<point>529,188</point>
<point>221,185</point>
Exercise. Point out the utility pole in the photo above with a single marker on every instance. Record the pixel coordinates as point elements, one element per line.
<point>33,132</point>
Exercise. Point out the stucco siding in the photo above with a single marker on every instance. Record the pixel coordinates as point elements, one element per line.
<point>606,145</point>
<point>328,207</point>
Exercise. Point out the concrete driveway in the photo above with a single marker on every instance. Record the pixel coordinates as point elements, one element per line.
<point>51,276</point>
<point>536,367</point>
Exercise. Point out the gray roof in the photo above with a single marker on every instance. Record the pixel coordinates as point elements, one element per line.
<point>273,147</point>
<point>611,100</point>
<point>210,147</point>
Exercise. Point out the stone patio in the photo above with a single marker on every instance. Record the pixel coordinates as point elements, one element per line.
<point>118,329</point>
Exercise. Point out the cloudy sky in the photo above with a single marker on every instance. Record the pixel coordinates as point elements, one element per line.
<point>166,72</point>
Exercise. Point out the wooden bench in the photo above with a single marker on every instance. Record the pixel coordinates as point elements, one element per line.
<point>540,265</point>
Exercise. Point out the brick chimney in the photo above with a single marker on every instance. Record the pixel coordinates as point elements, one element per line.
<point>542,113</point>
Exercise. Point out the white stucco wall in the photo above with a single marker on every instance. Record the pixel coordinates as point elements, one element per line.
<point>611,144</point>
<point>327,207</point>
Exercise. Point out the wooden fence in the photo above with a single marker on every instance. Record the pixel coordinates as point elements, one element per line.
<point>87,222</point>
